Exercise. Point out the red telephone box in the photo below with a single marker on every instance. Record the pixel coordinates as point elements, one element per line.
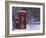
<point>22,19</point>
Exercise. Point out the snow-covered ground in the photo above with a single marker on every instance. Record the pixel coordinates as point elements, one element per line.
<point>33,26</point>
<point>30,27</point>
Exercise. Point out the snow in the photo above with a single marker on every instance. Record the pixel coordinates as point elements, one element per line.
<point>33,26</point>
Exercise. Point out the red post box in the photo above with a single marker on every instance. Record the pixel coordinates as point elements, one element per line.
<point>17,23</point>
